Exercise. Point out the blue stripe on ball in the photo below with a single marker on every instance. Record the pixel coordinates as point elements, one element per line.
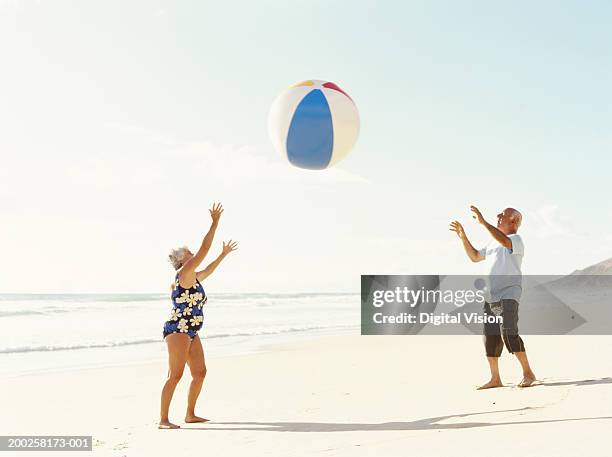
<point>310,139</point>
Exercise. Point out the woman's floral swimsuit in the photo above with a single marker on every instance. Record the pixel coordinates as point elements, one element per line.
<point>186,315</point>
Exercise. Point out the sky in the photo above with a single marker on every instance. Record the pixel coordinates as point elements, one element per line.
<point>122,121</point>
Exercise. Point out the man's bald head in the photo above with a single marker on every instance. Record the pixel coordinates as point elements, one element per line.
<point>509,220</point>
<point>516,216</point>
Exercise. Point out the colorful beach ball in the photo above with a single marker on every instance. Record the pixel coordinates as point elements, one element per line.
<point>314,124</point>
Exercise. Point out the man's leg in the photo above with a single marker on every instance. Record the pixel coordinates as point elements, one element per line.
<point>493,347</point>
<point>514,343</point>
<point>528,376</point>
<point>495,380</point>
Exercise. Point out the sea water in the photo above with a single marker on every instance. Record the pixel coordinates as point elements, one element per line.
<point>65,331</point>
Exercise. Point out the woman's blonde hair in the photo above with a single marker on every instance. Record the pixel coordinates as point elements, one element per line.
<point>176,257</point>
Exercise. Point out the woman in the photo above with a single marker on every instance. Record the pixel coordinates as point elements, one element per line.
<point>181,331</point>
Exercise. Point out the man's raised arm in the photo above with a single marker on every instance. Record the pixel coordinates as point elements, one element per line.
<point>499,236</point>
<point>470,250</point>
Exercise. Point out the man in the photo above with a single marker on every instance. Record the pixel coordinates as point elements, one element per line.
<point>504,256</point>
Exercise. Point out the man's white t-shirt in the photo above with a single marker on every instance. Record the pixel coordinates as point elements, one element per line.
<point>503,266</point>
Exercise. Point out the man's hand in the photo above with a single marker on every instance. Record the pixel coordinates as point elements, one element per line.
<point>472,253</point>
<point>456,227</point>
<point>215,212</point>
<point>496,233</point>
<point>477,215</point>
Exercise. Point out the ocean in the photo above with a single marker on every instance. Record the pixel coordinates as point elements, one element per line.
<point>67,331</point>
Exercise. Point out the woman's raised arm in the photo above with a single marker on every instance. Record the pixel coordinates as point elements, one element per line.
<point>187,274</point>
<point>228,247</point>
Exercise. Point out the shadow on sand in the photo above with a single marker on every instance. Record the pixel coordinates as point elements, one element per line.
<point>430,423</point>
<point>423,424</point>
<point>583,382</point>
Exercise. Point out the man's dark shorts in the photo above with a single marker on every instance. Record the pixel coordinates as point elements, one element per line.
<point>496,335</point>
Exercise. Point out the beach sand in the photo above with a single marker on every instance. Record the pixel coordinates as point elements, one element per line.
<point>337,396</point>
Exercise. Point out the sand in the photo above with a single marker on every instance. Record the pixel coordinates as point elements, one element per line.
<point>337,396</point>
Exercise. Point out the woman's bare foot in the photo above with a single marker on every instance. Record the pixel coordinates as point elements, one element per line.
<point>528,380</point>
<point>493,383</point>
<point>167,425</point>
<point>192,418</point>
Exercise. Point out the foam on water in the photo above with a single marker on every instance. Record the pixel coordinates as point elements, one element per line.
<point>42,332</point>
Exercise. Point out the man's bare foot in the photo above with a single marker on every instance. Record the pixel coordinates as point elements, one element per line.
<point>528,380</point>
<point>493,383</point>
<point>167,425</point>
<point>192,418</point>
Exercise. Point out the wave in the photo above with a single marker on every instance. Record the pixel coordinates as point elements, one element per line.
<point>19,313</point>
<point>47,311</point>
<point>39,304</point>
<point>160,296</point>
<point>83,297</point>
<point>70,347</point>
<point>226,295</point>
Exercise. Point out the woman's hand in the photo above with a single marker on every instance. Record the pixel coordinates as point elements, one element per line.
<point>215,212</point>
<point>229,247</point>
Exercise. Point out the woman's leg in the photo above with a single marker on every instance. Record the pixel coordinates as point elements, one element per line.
<point>197,366</point>
<point>178,349</point>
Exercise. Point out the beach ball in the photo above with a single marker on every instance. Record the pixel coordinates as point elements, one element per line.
<point>314,124</point>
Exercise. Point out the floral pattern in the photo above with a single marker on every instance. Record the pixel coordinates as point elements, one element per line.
<point>193,299</point>
<point>202,303</point>
<point>186,315</point>
<point>196,320</point>
<point>182,326</point>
